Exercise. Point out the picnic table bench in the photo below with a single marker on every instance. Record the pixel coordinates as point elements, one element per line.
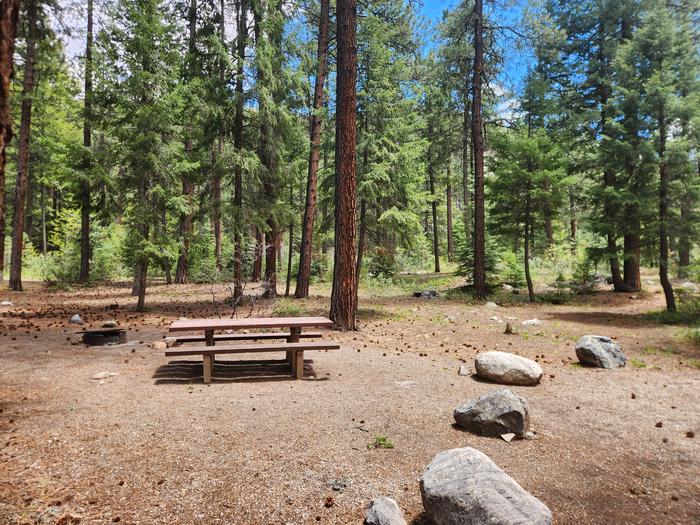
<point>293,348</point>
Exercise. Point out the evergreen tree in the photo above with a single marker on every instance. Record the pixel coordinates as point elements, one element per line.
<point>140,83</point>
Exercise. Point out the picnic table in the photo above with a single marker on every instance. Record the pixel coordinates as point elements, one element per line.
<point>292,334</point>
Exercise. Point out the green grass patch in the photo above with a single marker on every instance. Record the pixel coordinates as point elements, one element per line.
<point>637,363</point>
<point>693,335</point>
<point>380,442</point>
<point>288,308</point>
<point>576,365</point>
<point>679,317</point>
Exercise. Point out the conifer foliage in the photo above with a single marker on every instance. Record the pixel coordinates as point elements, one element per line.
<point>263,141</point>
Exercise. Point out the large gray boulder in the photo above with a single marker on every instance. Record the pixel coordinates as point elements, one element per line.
<point>463,486</point>
<point>384,511</point>
<point>509,369</point>
<point>495,413</point>
<point>600,351</point>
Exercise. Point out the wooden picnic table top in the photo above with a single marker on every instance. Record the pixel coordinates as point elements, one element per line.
<point>187,325</point>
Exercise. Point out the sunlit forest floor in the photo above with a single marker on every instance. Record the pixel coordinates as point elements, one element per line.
<point>152,444</point>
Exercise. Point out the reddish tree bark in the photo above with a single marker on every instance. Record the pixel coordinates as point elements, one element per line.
<point>478,152</point>
<point>9,14</point>
<point>23,153</point>
<point>307,229</point>
<point>344,293</point>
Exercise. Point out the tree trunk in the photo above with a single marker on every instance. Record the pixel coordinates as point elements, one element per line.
<point>478,149</point>
<point>241,42</point>
<point>9,15</point>
<point>361,242</point>
<point>23,151</point>
<point>43,220</point>
<point>632,281</point>
<point>304,272</point>
<point>572,222</point>
<point>434,208</point>
<point>271,242</point>
<point>87,143</point>
<point>267,151</point>
<point>609,181</point>
<point>167,266</point>
<point>185,222</point>
<point>216,204</point>
<point>344,293</point>
<point>526,259</point>
<point>185,226</point>
<point>664,179</point>
<point>547,215</point>
<point>217,175</point>
<point>258,255</point>
<point>684,239</point>
<point>448,191</point>
<point>466,161</point>
<point>141,280</point>
<point>290,244</point>
<point>141,273</point>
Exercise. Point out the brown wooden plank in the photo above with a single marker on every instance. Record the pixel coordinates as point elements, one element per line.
<point>262,347</point>
<point>298,366</point>
<point>208,367</point>
<point>186,325</point>
<point>262,336</point>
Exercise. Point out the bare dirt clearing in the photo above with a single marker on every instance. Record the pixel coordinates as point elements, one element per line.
<point>152,444</point>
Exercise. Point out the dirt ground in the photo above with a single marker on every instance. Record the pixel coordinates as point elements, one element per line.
<point>152,444</point>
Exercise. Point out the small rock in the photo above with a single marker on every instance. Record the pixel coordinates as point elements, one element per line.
<point>110,324</point>
<point>104,375</point>
<point>170,341</point>
<point>690,434</point>
<point>496,413</point>
<point>76,319</point>
<point>426,294</point>
<point>463,370</point>
<point>384,511</point>
<point>506,288</point>
<point>600,351</point>
<point>529,435</point>
<point>507,437</point>
<point>533,322</point>
<point>159,345</point>
<point>6,303</point>
<point>463,486</point>
<point>659,424</point>
<point>491,304</point>
<point>509,369</point>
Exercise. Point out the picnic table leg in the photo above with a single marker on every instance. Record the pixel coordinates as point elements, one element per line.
<point>209,337</point>
<point>298,369</point>
<point>294,334</point>
<point>208,366</point>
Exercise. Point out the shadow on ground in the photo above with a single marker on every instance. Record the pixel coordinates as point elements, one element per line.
<point>178,372</point>
<point>601,318</point>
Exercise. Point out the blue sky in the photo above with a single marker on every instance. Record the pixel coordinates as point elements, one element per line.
<point>515,65</point>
